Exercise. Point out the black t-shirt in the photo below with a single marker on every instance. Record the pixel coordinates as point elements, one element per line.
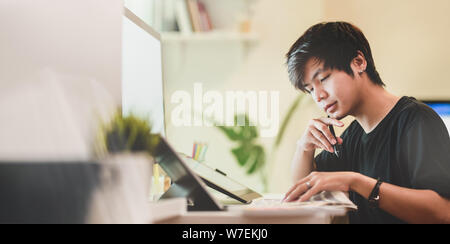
<point>409,148</point>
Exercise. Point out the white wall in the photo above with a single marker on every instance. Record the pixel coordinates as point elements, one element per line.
<point>60,69</point>
<point>74,37</point>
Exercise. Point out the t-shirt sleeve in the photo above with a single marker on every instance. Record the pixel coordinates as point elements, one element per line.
<point>426,153</point>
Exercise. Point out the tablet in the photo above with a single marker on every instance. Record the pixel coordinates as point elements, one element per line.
<point>219,181</point>
<point>185,183</point>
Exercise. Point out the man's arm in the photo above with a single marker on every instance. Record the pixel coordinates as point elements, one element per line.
<point>302,164</point>
<point>316,136</point>
<point>410,205</point>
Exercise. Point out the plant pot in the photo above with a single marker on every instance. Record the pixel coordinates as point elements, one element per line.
<point>123,194</point>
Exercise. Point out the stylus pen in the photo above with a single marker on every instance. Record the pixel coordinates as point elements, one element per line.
<point>335,147</point>
<point>220,172</point>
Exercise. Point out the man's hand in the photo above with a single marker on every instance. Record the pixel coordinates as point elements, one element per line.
<point>317,182</point>
<point>318,135</point>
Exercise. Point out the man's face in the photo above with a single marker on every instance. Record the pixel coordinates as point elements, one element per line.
<point>334,91</point>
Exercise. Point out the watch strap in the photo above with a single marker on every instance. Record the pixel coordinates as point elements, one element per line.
<point>374,196</point>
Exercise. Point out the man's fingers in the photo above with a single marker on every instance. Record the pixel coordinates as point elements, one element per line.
<point>330,121</point>
<point>307,195</point>
<point>321,141</point>
<point>290,191</point>
<point>294,187</point>
<point>323,129</point>
<point>296,193</point>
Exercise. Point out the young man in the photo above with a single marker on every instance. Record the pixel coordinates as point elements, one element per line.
<point>393,159</point>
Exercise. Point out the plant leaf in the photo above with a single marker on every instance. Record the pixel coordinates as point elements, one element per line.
<point>247,132</point>
<point>258,159</point>
<point>241,154</point>
<point>248,154</point>
<point>230,132</point>
<point>128,133</point>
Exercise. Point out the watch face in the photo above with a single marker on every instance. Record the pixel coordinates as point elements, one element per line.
<point>373,202</point>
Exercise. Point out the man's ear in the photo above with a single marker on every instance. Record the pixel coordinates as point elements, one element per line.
<point>359,64</point>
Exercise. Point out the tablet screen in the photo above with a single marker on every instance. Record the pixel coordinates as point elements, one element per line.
<point>221,180</point>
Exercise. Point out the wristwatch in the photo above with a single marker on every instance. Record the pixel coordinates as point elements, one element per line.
<point>374,197</point>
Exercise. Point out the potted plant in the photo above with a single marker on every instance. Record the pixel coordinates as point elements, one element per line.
<point>125,146</point>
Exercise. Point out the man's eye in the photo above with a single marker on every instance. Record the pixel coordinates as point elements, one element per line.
<point>310,90</point>
<point>324,79</point>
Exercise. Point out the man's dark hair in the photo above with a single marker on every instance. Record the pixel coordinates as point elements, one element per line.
<point>335,44</point>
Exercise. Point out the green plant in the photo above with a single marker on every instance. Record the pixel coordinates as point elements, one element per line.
<point>247,152</point>
<point>128,134</point>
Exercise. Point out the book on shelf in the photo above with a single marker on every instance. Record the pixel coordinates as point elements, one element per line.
<point>199,16</point>
<point>205,19</point>
<point>194,14</point>
<point>182,17</point>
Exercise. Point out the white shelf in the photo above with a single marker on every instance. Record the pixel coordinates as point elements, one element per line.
<point>213,36</point>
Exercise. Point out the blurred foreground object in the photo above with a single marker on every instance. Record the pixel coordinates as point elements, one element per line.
<point>113,189</point>
<point>128,145</point>
<point>129,135</point>
<point>111,192</point>
<point>60,74</point>
<point>123,195</point>
<point>47,171</point>
<point>51,116</point>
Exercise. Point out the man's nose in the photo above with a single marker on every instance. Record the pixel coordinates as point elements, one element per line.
<point>320,94</point>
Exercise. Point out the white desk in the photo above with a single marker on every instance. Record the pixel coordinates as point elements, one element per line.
<point>238,217</point>
<point>174,212</point>
<point>235,218</point>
